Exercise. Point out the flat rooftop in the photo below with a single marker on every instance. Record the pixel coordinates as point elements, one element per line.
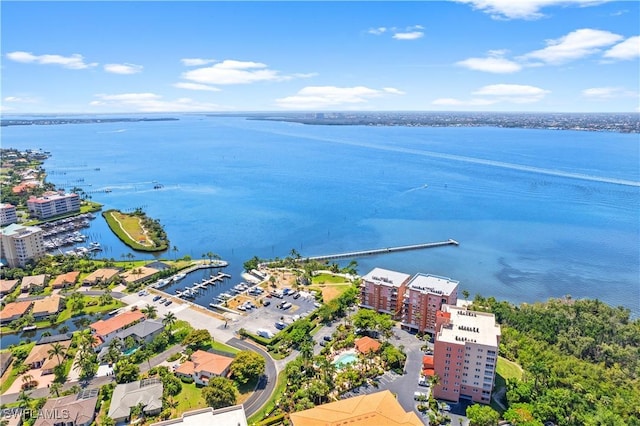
<point>427,283</point>
<point>386,277</point>
<point>469,326</point>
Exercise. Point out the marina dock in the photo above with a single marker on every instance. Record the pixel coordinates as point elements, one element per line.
<point>191,291</point>
<point>373,252</point>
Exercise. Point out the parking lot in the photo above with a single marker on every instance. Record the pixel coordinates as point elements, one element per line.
<point>266,317</point>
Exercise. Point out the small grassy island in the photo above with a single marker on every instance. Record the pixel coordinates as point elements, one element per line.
<point>137,230</point>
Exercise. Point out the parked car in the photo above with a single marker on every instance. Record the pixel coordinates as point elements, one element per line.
<point>286,305</point>
<point>280,325</point>
<point>266,302</point>
<point>327,338</point>
<point>156,298</point>
<point>316,304</point>
<point>265,333</point>
<point>296,295</point>
<point>168,302</point>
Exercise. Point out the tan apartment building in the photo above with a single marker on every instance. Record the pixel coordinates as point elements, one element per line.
<point>424,296</point>
<point>21,244</point>
<point>53,204</point>
<point>465,354</point>
<point>8,214</point>
<point>382,290</point>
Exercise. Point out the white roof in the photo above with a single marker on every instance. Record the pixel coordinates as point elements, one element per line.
<point>469,326</point>
<point>228,416</point>
<point>433,284</point>
<point>386,277</point>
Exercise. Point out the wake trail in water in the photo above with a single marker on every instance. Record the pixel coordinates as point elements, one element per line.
<point>473,160</point>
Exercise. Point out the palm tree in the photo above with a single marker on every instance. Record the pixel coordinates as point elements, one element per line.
<point>24,399</point>
<point>150,311</point>
<point>169,320</point>
<point>56,350</point>
<point>55,388</point>
<point>27,378</point>
<point>175,252</point>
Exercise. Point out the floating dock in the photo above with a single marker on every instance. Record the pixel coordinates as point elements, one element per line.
<point>373,252</point>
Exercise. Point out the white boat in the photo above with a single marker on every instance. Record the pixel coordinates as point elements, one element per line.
<point>178,277</point>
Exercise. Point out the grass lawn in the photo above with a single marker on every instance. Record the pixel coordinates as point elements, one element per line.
<point>328,279</point>
<point>504,370</point>
<point>330,291</point>
<point>190,398</point>
<point>11,376</point>
<point>224,347</point>
<point>68,312</point>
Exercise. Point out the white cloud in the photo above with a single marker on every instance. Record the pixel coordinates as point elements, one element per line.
<point>195,86</point>
<point>412,32</point>
<point>377,31</point>
<point>123,68</point>
<point>331,96</point>
<point>149,102</point>
<point>236,72</point>
<point>628,49</point>
<point>608,93</point>
<point>522,9</point>
<point>493,63</point>
<point>497,93</point>
<point>575,45</point>
<point>75,61</point>
<point>20,99</point>
<point>196,62</point>
<point>413,35</point>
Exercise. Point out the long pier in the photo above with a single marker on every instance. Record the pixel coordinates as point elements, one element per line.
<point>189,291</point>
<point>373,252</point>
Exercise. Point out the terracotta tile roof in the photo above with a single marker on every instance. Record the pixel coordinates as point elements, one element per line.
<point>205,362</point>
<point>68,278</point>
<point>366,344</point>
<point>48,305</point>
<point>380,408</point>
<point>7,286</point>
<point>119,322</point>
<point>15,308</point>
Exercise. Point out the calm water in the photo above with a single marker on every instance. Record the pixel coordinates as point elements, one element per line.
<point>538,213</point>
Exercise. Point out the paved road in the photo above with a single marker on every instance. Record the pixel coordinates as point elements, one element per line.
<point>264,389</point>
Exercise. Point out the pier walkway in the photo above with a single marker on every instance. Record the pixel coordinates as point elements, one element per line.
<point>373,252</point>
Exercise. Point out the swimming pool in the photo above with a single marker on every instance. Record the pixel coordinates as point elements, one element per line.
<point>130,351</point>
<point>344,359</point>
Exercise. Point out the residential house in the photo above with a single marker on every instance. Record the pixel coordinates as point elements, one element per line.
<point>147,393</point>
<point>39,357</point>
<point>48,306</point>
<point>367,344</point>
<point>465,354</point>
<point>379,408</point>
<point>65,280</point>
<point>138,274</point>
<point>14,310</point>
<point>227,416</point>
<point>102,275</point>
<point>142,332</point>
<point>8,286</point>
<point>204,365</point>
<point>5,361</point>
<point>21,244</point>
<point>72,410</point>
<point>382,290</point>
<point>33,283</point>
<point>105,330</point>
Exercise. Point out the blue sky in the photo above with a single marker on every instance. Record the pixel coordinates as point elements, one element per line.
<point>465,55</point>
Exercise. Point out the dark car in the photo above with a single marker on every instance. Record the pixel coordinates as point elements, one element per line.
<point>327,338</point>
<point>168,302</point>
<point>296,295</point>
<point>266,302</point>
<point>156,298</point>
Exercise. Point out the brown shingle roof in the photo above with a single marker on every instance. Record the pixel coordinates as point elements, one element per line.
<point>48,305</point>
<point>34,280</point>
<point>7,286</point>
<point>380,408</point>
<point>40,352</point>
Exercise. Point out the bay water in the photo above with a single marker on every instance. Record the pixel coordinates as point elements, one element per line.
<point>537,213</point>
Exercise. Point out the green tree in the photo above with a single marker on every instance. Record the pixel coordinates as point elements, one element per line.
<point>169,320</point>
<point>482,415</point>
<point>126,371</point>
<point>246,366</point>
<point>220,393</point>
<point>150,311</point>
<point>56,350</point>
<point>197,339</point>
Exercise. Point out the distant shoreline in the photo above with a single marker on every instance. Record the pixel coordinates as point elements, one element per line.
<point>96,120</point>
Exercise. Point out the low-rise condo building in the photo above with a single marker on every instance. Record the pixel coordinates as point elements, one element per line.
<point>382,290</point>
<point>8,214</point>
<point>465,354</point>
<point>53,204</point>
<point>424,296</point>
<point>20,244</point>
